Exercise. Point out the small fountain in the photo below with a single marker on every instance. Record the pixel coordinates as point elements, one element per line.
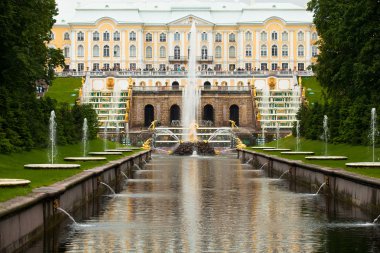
<point>262,166</point>
<point>320,188</point>
<point>298,144</point>
<point>137,166</point>
<point>109,187</point>
<point>249,161</point>
<point>277,141</point>
<point>325,137</point>
<point>122,173</point>
<point>52,151</point>
<point>67,214</point>
<point>372,136</point>
<point>105,146</point>
<point>85,147</point>
<point>283,174</point>
<point>375,220</point>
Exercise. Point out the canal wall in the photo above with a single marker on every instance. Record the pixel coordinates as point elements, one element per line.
<point>355,189</point>
<point>24,219</point>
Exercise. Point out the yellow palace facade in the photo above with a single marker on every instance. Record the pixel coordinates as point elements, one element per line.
<point>155,35</point>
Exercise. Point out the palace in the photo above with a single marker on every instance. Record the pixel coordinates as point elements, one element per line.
<point>248,57</point>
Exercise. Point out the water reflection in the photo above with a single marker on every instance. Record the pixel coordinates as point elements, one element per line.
<point>215,205</point>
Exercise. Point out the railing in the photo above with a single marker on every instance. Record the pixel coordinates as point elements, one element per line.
<point>179,88</point>
<point>178,58</point>
<point>205,58</point>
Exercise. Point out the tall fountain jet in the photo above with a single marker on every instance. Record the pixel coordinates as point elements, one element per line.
<point>191,94</point>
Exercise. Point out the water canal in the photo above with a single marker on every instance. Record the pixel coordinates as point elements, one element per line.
<point>199,204</point>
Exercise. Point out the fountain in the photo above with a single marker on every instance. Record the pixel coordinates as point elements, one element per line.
<point>372,136</point>
<point>298,144</point>
<point>67,214</point>
<point>52,151</point>
<point>122,173</point>
<point>283,174</point>
<point>320,188</point>
<point>109,187</point>
<point>375,220</point>
<point>85,147</point>
<point>249,161</point>
<point>105,136</point>
<point>262,166</point>
<point>325,137</point>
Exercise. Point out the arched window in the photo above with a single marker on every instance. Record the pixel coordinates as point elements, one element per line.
<point>207,85</point>
<point>132,36</point>
<point>274,35</point>
<point>285,50</point>
<point>95,36</point>
<point>284,36</point>
<point>175,113</point>
<point>301,51</point>
<point>80,51</point>
<point>177,53</point>
<point>300,36</point>
<point>106,36</point>
<point>148,115</point>
<point>162,52</point>
<point>204,36</point>
<point>132,51</point>
<point>66,36</point>
<point>95,51</point>
<point>248,36</point>
<point>234,114</point>
<point>218,52</point>
<point>175,85</point>
<point>148,37</point>
<point>208,113</point>
<point>314,51</point>
<point>248,51</point>
<point>80,36</point>
<point>274,50</point>
<point>218,37</point>
<point>263,36</point>
<point>177,36</point>
<point>106,51</point>
<point>116,36</point>
<point>148,52</point>
<point>204,52</point>
<point>66,52</point>
<point>162,37</point>
<point>263,50</point>
<point>314,36</point>
<point>116,51</point>
<point>231,52</point>
<point>231,37</point>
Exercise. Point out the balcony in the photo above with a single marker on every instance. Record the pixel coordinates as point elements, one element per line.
<point>178,59</point>
<point>205,58</point>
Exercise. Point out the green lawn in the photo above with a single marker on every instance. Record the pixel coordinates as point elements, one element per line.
<point>65,89</point>
<point>12,166</point>
<point>354,154</point>
<point>313,89</point>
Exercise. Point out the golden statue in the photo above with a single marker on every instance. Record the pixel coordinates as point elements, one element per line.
<point>239,143</point>
<point>126,118</point>
<point>303,92</point>
<point>272,83</point>
<point>152,125</point>
<point>258,116</point>
<point>299,80</point>
<point>130,82</point>
<point>83,80</point>
<point>110,83</point>
<point>233,124</point>
<point>80,92</point>
<point>147,144</point>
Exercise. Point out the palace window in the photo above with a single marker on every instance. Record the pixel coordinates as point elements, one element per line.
<point>95,51</point>
<point>66,52</point>
<point>314,51</point>
<point>116,66</point>
<point>80,36</point>
<point>106,36</point>
<point>177,36</point>
<point>274,35</point>
<point>231,37</point>
<point>66,36</point>
<point>95,36</point>
<point>285,50</point>
<point>300,36</point>
<point>132,36</point>
<point>274,66</point>
<point>177,53</point>
<point>204,52</point>
<point>106,66</point>
<point>148,37</point>
<point>80,66</point>
<point>274,50</point>
<point>116,36</point>
<point>263,36</point>
<point>301,51</point>
<point>162,52</point>
<point>116,51</point>
<point>248,36</point>
<point>80,51</point>
<point>314,36</point>
<point>218,37</point>
<point>285,36</point>
<point>248,51</point>
<point>132,51</point>
<point>263,50</point>
<point>232,52</point>
<point>148,52</point>
<point>162,37</point>
<point>218,52</point>
<point>204,36</point>
<point>284,66</point>
<point>95,66</point>
<point>301,66</point>
<point>106,51</point>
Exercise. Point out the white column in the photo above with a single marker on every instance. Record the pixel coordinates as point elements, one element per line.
<point>240,48</point>
<point>258,48</point>
<point>73,50</point>
<point>140,49</point>
<point>155,53</point>
<point>210,43</point>
<point>123,50</point>
<point>170,51</point>
<point>183,49</point>
<point>89,51</point>
<point>225,47</point>
<point>308,49</point>
<point>292,63</point>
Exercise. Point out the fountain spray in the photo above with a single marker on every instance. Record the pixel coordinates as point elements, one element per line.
<point>52,138</point>
<point>85,136</point>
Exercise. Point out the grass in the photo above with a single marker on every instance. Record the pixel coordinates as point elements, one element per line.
<point>12,166</point>
<point>354,154</point>
<point>65,89</point>
<point>313,89</point>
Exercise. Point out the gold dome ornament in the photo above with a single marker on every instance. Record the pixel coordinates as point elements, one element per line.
<point>110,83</point>
<point>272,83</point>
